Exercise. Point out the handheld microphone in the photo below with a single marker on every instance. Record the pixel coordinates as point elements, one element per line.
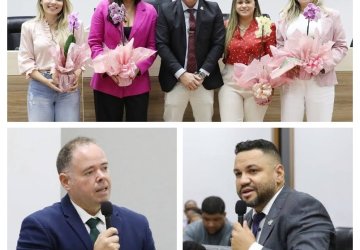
<point>106,210</point>
<point>240,209</point>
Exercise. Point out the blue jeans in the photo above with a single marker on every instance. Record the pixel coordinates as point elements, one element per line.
<point>47,105</point>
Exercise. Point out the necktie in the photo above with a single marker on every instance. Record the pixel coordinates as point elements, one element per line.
<point>256,222</point>
<point>94,232</point>
<point>191,57</point>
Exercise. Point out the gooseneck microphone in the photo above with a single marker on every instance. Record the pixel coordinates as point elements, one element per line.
<point>240,209</point>
<point>106,210</point>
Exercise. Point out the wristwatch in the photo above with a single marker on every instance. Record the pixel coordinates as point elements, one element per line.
<point>202,75</point>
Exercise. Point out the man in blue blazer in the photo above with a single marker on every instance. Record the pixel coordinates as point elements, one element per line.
<point>289,219</point>
<point>180,83</point>
<point>83,172</point>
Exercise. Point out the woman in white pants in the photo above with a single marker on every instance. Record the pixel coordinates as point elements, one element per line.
<point>242,46</point>
<point>315,97</point>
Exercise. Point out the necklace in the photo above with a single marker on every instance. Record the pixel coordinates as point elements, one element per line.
<point>53,35</point>
<point>242,29</point>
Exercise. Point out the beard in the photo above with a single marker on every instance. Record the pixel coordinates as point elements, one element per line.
<point>264,193</point>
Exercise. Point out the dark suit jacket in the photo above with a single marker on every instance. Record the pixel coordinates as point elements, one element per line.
<point>60,227</point>
<point>171,42</point>
<point>296,221</point>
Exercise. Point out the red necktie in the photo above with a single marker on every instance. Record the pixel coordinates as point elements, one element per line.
<point>191,57</point>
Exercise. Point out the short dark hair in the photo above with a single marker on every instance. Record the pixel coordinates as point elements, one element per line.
<point>265,146</point>
<point>192,245</point>
<point>65,155</point>
<point>213,205</point>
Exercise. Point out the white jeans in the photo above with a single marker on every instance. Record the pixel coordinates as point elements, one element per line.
<point>306,95</point>
<point>201,101</point>
<point>237,104</point>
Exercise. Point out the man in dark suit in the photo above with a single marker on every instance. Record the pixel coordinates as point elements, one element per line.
<point>280,218</point>
<point>68,225</point>
<point>190,74</point>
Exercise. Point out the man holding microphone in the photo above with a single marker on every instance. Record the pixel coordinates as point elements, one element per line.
<point>76,222</point>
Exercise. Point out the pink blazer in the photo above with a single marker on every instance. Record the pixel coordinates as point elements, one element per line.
<point>102,31</point>
<point>332,30</point>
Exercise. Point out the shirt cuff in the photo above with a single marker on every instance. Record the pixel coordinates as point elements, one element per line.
<point>255,246</point>
<point>204,71</point>
<point>179,73</point>
<point>28,72</point>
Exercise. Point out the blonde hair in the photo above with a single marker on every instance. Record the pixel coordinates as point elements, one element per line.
<point>234,22</point>
<point>62,21</point>
<point>293,10</point>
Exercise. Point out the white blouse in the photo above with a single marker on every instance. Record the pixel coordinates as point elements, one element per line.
<point>300,23</point>
<point>36,41</point>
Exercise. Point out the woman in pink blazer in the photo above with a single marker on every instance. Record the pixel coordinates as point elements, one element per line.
<point>314,96</point>
<point>111,100</point>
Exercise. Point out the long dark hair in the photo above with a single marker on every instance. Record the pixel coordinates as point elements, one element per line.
<point>233,22</point>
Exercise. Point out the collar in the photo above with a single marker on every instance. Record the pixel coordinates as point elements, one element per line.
<point>84,216</point>
<point>268,206</point>
<point>185,8</point>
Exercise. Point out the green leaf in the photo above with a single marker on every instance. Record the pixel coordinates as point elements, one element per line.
<point>71,39</point>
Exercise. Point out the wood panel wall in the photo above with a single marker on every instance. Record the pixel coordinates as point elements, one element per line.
<point>17,91</point>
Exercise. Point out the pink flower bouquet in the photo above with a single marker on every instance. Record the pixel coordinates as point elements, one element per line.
<point>306,52</point>
<point>256,77</point>
<point>65,66</point>
<point>121,61</point>
<point>70,58</point>
<point>311,13</point>
<point>117,16</point>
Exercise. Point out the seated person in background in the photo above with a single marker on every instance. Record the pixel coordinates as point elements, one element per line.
<point>193,214</point>
<point>214,228</point>
<point>188,205</point>
<point>191,245</point>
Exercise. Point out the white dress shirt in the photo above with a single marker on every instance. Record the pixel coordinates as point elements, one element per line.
<point>187,25</point>
<point>266,210</point>
<point>84,216</point>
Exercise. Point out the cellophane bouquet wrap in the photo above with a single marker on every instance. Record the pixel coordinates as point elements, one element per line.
<point>307,53</point>
<point>256,77</point>
<point>121,61</point>
<point>70,58</point>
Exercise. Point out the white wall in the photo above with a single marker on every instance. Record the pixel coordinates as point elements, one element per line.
<point>323,166</point>
<point>209,161</point>
<point>143,171</point>
<point>32,177</point>
<point>142,164</point>
<point>272,7</point>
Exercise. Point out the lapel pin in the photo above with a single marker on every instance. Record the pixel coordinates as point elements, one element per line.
<point>270,222</point>
<point>201,8</point>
